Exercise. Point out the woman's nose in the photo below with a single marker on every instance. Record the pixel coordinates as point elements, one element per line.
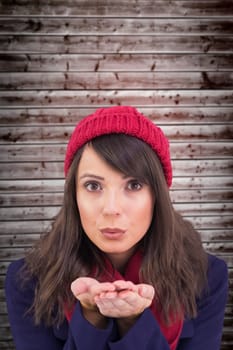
<point>112,203</point>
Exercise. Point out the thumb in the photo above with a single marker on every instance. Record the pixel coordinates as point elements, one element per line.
<point>78,287</point>
<point>146,291</point>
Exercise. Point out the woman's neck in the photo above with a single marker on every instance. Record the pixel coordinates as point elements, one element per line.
<point>120,260</point>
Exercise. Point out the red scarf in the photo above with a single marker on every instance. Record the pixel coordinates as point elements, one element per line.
<point>171,332</point>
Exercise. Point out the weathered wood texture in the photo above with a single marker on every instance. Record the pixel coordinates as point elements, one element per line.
<point>60,60</point>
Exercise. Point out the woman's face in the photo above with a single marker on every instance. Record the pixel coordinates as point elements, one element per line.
<point>115,210</point>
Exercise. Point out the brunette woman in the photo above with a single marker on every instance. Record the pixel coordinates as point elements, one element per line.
<point>120,268</point>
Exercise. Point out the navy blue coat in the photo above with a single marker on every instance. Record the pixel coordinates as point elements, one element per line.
<point>203,332</point>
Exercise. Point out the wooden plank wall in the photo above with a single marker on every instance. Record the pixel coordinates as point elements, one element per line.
<point>60,60</point>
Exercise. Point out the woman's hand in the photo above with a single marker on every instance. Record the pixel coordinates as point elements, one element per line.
<point>85,289</point>
<point>122,300</point>
<point>127,300</point>
<point>126,303</point>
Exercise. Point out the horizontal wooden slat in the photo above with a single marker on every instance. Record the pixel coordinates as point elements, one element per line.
<point>159,98</point>
<point>110,44</point>
<point>228,338</point>
<point>202,150</point>
<point>37,227</point>
<point>61,134</point>
<point>2,292</point>
<point>43,211</point>
<point>105,8</point>
<point>200,183</point>
<point>56,152</point>
<point>32,152</point>
<point>216,235</point>
<point>221,250</point>
<point>116,80</point>
<point>57,185</point>
<point>29,213</point>
<point>11,242</point>
<point>202,167</point>
<point>4,320</point>
<point>207,222</point>
<point>32,186</point>
<point>93,26</point>
<point>6,332</point>
<point>25,227</point>
<point>114,62</point>
<point>224,346</point>
<point>54,198</point>
<point>9,345</point>
<point>203,195</point>
<point>40,226</point>
<point>161,116</point>
<point>3,269</point>
<point>193,167</point>
<point>9,254</point>
<point>19,240</point>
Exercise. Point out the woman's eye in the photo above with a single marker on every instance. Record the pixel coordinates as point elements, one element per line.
<point>134,185</point>
<point>92,186</point>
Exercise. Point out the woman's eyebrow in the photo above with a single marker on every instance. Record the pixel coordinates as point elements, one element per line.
<point>89,175</point>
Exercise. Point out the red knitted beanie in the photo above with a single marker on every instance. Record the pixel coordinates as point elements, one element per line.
<point>120,120</point>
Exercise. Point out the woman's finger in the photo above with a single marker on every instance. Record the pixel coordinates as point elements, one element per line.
<point>146,291</point>
<point>123,285</point>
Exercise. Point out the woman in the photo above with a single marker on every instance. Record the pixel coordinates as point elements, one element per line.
<point>120,268</point>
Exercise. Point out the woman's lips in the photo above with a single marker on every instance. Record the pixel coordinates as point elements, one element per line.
<point>112,233</point>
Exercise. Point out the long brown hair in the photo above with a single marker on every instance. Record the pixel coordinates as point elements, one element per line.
<point>174,262</point>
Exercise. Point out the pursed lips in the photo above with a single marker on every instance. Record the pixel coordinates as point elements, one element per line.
<point>112,232</point>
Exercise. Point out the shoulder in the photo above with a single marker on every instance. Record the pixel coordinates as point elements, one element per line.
<point>16,284</point>
<point>15,267</point>
<point>217,270</point>
<point>217,281</point>
<point>15,271</point>
<point>205,329</point>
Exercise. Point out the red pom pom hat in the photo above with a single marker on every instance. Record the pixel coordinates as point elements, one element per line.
<point>120,120</point>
